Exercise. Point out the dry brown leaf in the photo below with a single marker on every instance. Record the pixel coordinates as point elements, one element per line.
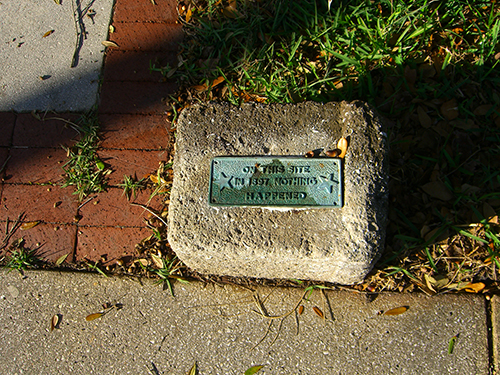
<point>397,310</point>
<point>47,33</point>
<point>449,109</point>
<point>189,14</point>
<point>218,81</point>
<point>493,220</point>
<point>318,312</point>
<point>482,110</point>
<point>199,88</point>
<point>231,11</point>
<point>342,146</point>
<point>423,117</point>
<point>61,259</point>
<point>94,316</point>
<point>301,309</point>
<point>29,225</point>
<point>108,43</point>
<point>474,288</point>
<point>488,211</point>
<point>429,280</point>
<point>142,261</point>
<point>157,261</point>
<point>497,56</point>
<point>54,322</point>
<point>437,189</point>
<point>333,153</point>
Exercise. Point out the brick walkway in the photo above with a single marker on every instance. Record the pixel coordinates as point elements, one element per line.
<point>134,137</point>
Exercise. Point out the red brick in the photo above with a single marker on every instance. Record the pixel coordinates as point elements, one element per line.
<point>135,65</point>
<point>145,11</point>
<point>112,243</point>
<point>146,132</point>
<point>114,210</point>
<point>52,241</point>
<point>7,121</point>
<point>38,202</point>
<point>131,163</point>
<point>35,165</point>
<point>135,97</point>
<point>147,36</point>
<point>48,133</point>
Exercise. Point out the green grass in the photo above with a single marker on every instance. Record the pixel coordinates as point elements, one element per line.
<point>21,258</point>
<point>131,186</point>
<point>84,169</point>
<point>430,68</point>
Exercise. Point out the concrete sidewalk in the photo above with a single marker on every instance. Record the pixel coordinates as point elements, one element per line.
<point>218,328</point>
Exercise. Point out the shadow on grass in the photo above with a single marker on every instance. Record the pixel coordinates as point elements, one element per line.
<point>429,70</point>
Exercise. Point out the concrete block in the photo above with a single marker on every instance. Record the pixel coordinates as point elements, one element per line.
<point>337,245</point>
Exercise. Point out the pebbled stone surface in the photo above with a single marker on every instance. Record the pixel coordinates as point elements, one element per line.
<point>335,245</point>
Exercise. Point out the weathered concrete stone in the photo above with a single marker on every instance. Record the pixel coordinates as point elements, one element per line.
<point>337,245</point>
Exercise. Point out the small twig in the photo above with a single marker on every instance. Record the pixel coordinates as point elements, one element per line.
<point>87,201</point>
<point>5,163</point>
<point>13,230</point>
<point>151,212</point>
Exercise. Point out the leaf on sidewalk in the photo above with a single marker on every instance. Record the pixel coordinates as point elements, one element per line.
<point>318,312</point>
<point>47,33</point>
<point>193,370</point>
<point>94,316</point>
<point>54,322</point>
<point>253,370</point>
<point>451,344</point>
<point>397,310</point>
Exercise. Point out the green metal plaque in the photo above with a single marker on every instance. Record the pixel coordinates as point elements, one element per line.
<point>275,182</point>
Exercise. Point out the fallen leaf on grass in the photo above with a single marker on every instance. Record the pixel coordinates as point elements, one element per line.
<point>199,87</point>
<point>47,33</point>
<point>396,311</point>
<point>189,14</point>
<point>29,225</point>
<point>253,370</point>
<point>488,211</point>
<point>94,316</point>
<point>437,189</point>
<point>107,43</point>
<point>449,109</point>
<point>60,260</point>
<point>423,117</point>
<point>482,110</point>
<point>218,81</point>
<point>318,312</point>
